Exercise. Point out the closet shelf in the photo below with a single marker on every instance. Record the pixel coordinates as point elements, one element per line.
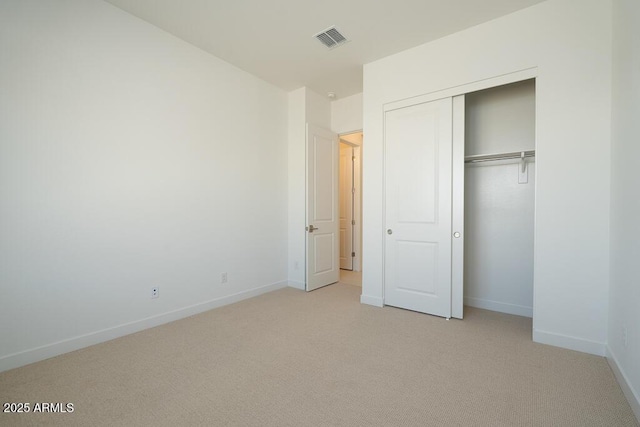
<point>499,156</point>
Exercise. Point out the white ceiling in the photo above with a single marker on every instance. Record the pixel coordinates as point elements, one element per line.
<point>273,39</point>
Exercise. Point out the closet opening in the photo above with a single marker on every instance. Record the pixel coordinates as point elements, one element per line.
<point>499,198</point>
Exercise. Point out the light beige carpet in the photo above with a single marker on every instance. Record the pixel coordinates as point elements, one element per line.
<point>289,358</point>
<point>351,277</point>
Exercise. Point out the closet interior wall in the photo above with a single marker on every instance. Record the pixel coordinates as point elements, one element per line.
<point>499,208</point>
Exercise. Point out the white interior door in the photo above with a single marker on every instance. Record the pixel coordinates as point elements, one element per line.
<point>346,206</point>
<point>418,185</point>
<point>322,266</point>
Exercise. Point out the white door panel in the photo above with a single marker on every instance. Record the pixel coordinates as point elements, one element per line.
<point>457,205</point>
<point>418,150</point>
<point>322,266</point>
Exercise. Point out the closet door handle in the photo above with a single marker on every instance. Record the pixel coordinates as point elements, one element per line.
<point>456,235</point>
<point>389,231</point>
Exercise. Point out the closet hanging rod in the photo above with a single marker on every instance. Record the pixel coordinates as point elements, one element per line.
<point>500,156</point>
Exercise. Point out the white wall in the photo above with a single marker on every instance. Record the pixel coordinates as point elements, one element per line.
<point>498,208</point>
<point>501,120</point>
<point>625,204</point>
<point>318,109</point>
<point>128,159</point>
<point>296,187</point>
<point>346,114</point>
<point>305,106</point>
<point>569,44</point>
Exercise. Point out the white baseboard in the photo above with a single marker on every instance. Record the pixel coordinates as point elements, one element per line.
<point>568,342</point>
<point>369,300</point>
<point>632,395</point>
<point>296,284</point>
<point>37,354</point>
<point>502,307</point>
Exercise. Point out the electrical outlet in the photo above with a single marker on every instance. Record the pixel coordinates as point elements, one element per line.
<point>625,336</point>
<point>155,292</point>
<point>223,278</point>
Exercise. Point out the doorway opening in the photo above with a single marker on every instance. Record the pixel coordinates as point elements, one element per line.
<point>350,201</point>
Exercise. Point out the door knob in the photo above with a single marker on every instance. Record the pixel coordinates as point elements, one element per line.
<point>389,231</point>
<point>311,228</point>
<point>456,234</point>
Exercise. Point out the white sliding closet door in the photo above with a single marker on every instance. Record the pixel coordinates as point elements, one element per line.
<point>418,188</point>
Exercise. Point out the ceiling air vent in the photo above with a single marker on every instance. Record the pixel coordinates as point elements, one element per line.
<point>331,38</point>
